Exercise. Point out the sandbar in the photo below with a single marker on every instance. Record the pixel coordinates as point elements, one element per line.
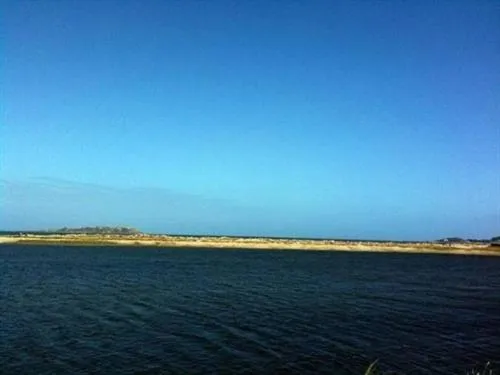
<point>207,242</point>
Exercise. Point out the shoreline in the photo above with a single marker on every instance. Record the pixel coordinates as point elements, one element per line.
<point>162,241</point>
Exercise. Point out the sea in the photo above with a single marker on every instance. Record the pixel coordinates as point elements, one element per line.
<point>133,310</point>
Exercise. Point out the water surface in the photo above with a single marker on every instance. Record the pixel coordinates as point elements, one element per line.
<point>159,311</point>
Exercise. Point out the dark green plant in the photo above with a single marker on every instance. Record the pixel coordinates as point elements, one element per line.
<point>487,370</point>
<point>371,369</point>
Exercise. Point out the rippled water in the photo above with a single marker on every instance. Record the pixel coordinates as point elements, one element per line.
<point>159,311</point>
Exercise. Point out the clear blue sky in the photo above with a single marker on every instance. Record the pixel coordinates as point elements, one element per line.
<point>371,119</point>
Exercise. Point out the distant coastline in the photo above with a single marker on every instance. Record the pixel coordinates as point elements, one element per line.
<point>132,237</point>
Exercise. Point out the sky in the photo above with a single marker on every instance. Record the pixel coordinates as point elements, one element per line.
<point>349,119</point>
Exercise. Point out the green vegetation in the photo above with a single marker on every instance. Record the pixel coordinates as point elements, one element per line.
<point>458,240</point>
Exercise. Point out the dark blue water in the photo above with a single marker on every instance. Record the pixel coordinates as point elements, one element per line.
<point>159,311</point>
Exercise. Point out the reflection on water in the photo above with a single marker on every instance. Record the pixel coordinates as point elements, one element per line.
<point>133,310</point>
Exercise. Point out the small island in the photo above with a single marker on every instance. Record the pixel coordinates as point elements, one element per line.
<point>127,236</point>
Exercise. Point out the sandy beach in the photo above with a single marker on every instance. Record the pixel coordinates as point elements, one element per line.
<point>251,243</point>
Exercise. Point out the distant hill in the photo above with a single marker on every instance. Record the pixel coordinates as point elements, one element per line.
<point>99,230</point>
